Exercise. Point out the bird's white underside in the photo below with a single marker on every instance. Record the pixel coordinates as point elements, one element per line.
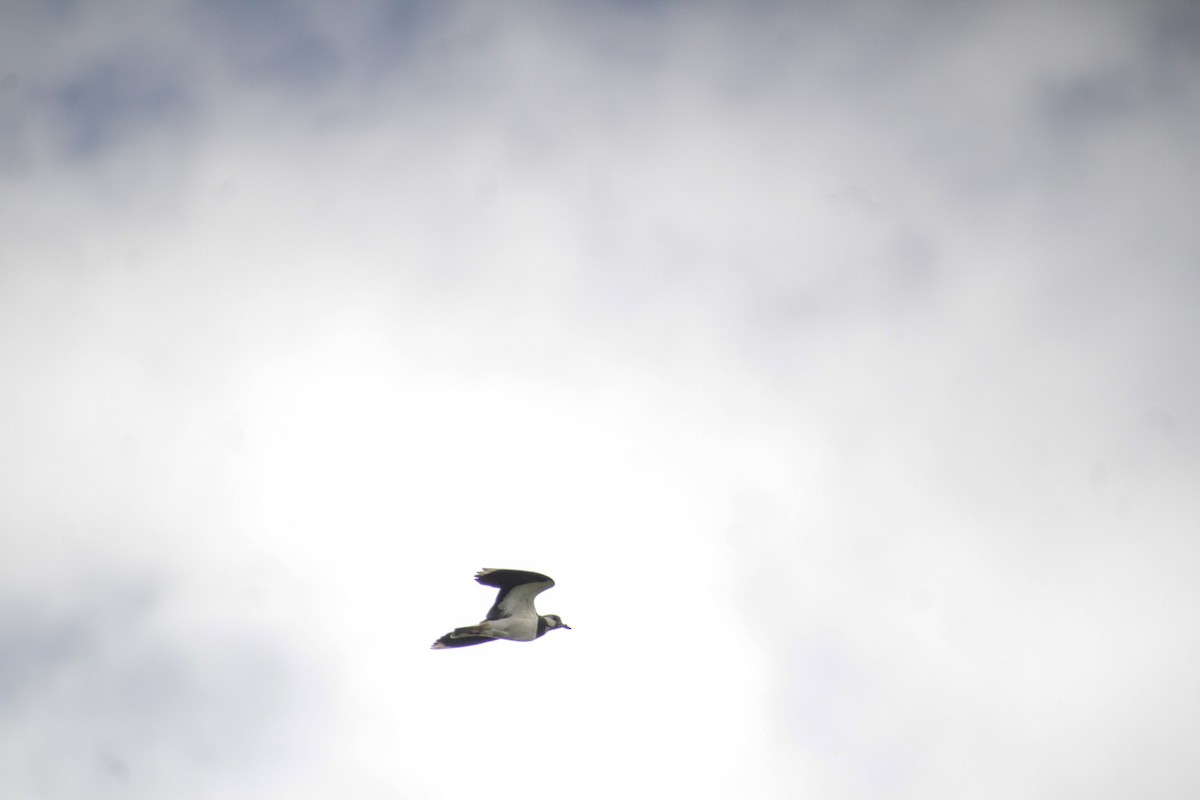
<point>519,628</point>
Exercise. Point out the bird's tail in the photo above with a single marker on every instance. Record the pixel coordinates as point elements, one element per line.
<point>462,637</point>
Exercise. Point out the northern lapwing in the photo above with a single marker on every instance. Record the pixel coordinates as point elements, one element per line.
<point>512,616</point>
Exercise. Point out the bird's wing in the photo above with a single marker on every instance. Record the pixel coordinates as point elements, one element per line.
<point>517,590</point>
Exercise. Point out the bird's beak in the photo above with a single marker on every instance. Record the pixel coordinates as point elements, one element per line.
<point>565,625</point>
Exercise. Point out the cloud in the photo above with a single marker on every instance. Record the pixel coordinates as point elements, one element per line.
<point>112,689</point>
<point>855,342</point>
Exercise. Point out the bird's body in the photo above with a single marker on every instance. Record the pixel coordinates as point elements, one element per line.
<point>512,616</point>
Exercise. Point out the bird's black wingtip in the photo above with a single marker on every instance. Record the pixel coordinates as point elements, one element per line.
<point>508,578</point>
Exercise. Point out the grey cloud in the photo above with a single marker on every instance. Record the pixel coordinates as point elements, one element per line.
<point>277,44</point>
<point>108,691</point>
<point>117,101</point>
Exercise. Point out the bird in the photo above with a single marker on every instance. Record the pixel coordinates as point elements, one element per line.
<point>512,616</point>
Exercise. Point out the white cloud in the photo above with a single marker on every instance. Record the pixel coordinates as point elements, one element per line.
<point>856,343</point>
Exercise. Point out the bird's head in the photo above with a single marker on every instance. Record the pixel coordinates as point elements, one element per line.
<point>555,621</point>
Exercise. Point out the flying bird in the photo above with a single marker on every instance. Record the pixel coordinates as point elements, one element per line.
<point>512,616</point>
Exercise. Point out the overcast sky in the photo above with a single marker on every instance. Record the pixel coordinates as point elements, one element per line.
<point>840,361</point>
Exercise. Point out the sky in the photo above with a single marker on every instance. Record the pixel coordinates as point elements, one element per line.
<point>840,361</point>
